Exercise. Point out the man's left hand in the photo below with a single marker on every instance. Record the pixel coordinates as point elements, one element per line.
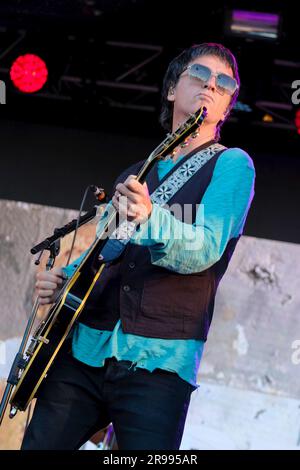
<point>132,200</point>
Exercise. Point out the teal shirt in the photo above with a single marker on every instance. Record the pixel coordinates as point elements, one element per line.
<point>220,217</point>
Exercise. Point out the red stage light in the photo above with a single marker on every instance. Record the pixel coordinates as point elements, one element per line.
<point>297,120</point>
<point>29,73</point>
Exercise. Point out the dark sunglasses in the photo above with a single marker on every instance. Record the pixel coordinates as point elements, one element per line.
<point>224,83</point>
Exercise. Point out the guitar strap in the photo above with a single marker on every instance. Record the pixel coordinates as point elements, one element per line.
<point>166,190</point>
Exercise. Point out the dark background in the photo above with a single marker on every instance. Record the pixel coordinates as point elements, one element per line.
<point>55,143</point>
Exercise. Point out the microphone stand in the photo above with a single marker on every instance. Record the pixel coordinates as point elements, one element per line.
<point>52,244</point>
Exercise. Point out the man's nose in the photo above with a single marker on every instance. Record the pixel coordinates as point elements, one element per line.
<point>211,84</point>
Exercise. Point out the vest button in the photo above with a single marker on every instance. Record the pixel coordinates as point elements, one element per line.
<point>132,264</point>
<point>126,288</point>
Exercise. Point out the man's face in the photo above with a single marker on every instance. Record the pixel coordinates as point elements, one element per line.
<point>190,93</point>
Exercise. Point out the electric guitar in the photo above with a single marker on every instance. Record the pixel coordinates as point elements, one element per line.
<point>51,333</point>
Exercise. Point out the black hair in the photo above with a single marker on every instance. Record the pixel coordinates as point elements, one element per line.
<point>176,68</point>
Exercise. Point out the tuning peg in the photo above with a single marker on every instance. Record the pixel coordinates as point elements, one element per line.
<point>195,134</point>
<point>185,143</point>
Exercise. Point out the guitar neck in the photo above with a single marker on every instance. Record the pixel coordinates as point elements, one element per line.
<point>171,142</point>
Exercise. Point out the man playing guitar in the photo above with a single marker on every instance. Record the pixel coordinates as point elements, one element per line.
<point>133,357</point>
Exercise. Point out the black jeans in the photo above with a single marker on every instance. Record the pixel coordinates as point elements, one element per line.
<point>148,409</point>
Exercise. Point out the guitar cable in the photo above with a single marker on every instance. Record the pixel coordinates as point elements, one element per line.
<point>100,195</point>
<point>96,192</point>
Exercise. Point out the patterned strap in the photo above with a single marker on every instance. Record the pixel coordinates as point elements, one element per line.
<point>165,191</point>
<point>180,177</point>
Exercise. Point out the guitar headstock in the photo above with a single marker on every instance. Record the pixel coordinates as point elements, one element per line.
<point>186,131</point>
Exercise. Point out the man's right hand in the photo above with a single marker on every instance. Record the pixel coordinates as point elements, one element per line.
<point>48,285</point>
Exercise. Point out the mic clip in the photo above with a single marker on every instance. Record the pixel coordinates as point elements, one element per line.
<point>99,193</point>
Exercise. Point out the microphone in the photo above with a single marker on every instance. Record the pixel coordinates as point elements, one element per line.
<point>99,193</point>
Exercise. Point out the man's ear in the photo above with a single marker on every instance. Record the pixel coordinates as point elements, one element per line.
<point>171,94</point>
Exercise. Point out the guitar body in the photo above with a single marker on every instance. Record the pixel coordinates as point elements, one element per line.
<point>52,333</point>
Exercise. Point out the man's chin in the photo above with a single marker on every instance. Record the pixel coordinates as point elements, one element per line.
<point>203,101</point>
<point>199,103</point>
